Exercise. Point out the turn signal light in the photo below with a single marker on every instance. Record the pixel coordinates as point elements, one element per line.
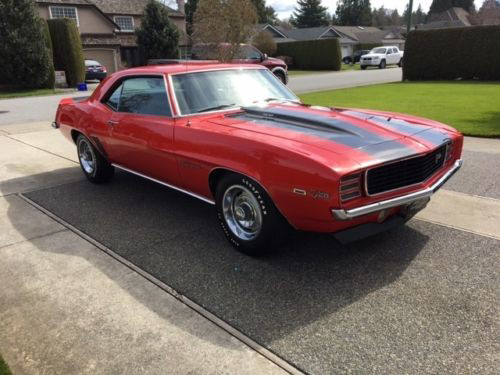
<point>449,150</point>
<point>350,187</point>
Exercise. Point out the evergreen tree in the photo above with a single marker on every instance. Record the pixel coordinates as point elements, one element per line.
<point>189,9</point>
<point>25,59</point>
<point>310,13</point>
<point>354,13</point>
<point>439,6</point>
<point>418,16</point>
<point>157,37</point>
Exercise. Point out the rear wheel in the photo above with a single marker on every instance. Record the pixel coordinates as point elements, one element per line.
<point>382,64</point>
<point>400,63</point>
<point>363,67</point>
<point>95,167</point>
<point>247,215</point>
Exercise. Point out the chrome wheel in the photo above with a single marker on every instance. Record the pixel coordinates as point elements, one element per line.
<point>86,156</point>
<point>242,212</point>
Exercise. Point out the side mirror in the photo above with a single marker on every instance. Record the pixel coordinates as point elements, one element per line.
<point>263,57</point>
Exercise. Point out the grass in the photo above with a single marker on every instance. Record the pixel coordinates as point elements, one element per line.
<point>471,107</point>
<point>4,369</point>
<point>24,93</point>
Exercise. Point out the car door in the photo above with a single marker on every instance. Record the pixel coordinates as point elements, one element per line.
<point>142,128</point>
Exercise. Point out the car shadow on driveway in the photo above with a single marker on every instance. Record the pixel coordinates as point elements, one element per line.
<point>272,299</point>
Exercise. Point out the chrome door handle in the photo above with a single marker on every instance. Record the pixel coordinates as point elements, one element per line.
<point>112,123</point>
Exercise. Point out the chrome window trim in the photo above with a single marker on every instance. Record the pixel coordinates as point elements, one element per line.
<point>353,213</point>
<point>365,178</point>
<point>190,193</point>
<point>178,111</point>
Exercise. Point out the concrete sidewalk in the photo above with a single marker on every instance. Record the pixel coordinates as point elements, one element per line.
<point>66,307</point>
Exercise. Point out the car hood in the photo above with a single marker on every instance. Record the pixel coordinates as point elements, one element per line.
<point>373,55</point>
<point>274,61</point>
<point>367,137</point>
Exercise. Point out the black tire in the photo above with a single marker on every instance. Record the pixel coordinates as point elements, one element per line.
<point>400,63</point>
<point>235,188</point>
<point>363,67</point>
<point>347,60</point>
<point>281,77</point>
<point>382,65</point>
<point>94,166</point>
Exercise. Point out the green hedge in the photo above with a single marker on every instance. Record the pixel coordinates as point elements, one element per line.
<point>68,51</point>
<point>461,53</point>
<point>24,57</point>
<point>321,54</point>
<point>49,84</point>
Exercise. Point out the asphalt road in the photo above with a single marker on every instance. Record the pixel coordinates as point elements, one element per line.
<point>339,80</point>
<point>420,299</point>
<point>43,108</point>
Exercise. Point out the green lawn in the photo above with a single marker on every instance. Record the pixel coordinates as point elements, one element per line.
<point>473,108</point>
<point>23,93</point>
<point>4,369</point>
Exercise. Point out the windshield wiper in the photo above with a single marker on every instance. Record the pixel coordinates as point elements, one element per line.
<point>214,108</point>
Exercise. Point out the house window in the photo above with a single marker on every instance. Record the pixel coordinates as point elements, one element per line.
<point>64,12</point>
<point>126,23</point>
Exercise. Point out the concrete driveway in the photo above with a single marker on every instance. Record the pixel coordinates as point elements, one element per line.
<point>133,277</point>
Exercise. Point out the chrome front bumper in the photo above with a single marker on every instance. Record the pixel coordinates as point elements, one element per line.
<point>395,202</point>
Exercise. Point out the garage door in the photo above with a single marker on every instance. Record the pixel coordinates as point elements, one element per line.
<point>105,56</point>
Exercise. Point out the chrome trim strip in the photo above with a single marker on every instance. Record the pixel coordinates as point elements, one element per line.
<point>395,202</point>
<point>200,197</point>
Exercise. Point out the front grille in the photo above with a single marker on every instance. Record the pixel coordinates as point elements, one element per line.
<point>405,172</point>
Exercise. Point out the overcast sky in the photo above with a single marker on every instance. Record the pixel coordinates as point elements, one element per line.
<point>285,7</point>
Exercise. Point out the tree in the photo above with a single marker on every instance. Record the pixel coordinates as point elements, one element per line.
<point>354,13</point>
<point>156,37</point>
<point>224,24</point>
<point>439,6</point>
<point>310,13</point>
<point>24,56</point>
<point>265,43</point>
<point>189,10</point>
<point>271,16</point>
<point>418,16</point>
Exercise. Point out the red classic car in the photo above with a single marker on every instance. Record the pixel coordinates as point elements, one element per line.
<point>237,138</point>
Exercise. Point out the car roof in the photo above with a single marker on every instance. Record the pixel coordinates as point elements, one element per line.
<point>189,67</point>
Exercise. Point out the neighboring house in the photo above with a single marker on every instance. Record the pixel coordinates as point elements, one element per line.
<point>489,14</point>
<point>453,17</point>
<point>107,27</point>
<point>350,37</point>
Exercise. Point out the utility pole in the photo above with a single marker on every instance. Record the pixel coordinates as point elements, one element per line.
<point>410,14</point>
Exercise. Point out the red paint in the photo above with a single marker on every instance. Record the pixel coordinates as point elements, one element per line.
<point>184,151</point>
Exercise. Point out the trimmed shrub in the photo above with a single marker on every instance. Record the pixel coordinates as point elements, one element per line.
<point>49,84</point>
<point>68,51</point>
<point>24,57</point>
<point>461,53</point>
<point>265,43</point>
<point>321,54</point>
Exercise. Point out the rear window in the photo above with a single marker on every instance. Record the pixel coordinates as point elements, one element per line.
<point>91,62</point>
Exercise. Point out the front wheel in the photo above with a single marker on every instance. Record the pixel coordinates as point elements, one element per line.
<point>247,215</point>
<point>95,167</point>
<point>363,67</point>
<point>382,64</point>
<point>281,77</point>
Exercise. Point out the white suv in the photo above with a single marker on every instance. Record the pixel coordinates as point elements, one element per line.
<point>381,57</point>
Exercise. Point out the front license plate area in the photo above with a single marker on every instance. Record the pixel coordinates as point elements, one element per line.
<point>411,209</point>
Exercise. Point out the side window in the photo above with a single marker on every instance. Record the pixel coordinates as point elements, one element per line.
<point>144,95</point>
<point>114,100</point>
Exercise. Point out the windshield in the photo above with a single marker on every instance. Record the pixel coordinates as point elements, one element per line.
<point>378,50</point>
<point>199,92</point>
